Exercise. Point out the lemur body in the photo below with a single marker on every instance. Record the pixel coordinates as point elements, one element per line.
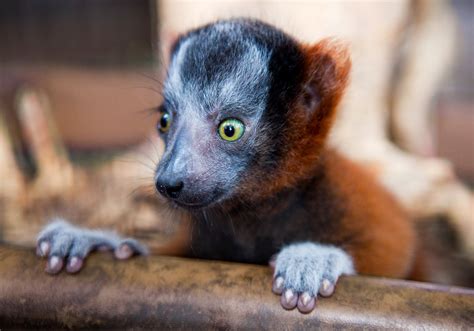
<point>324,209</point>
<point>245,116</point>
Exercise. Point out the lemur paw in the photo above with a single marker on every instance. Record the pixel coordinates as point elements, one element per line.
<point>65,244</point>
<point>306,269</point>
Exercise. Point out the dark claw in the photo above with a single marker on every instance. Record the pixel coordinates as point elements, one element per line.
<point>55,264</point>
<point>306,303</point>
<point>278,285</point>
<point>327,288</point>
<point>74,264</point>
<point>289,299</point>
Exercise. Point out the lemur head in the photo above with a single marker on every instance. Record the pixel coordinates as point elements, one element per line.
<point>246,111</point>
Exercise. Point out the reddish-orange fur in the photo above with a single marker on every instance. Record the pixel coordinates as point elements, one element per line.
<point>383,237</point>
<point>327,66</point>
<point>327,70</point>
<point>386,243</point>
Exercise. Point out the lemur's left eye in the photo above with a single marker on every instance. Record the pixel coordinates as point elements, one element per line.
<point>231,129</point>
<point>165,122</point>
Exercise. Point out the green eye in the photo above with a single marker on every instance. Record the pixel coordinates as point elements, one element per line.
<point>165,122</point>
<point>231,129</point>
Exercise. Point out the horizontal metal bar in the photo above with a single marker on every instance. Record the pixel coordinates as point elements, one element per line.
<point>164,292</point>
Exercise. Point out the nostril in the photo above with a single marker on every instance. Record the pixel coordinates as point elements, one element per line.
<point>173,190</point>
<point>160,188</point>
<point>169,189</point>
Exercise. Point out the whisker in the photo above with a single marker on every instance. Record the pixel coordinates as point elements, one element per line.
<point>146,88</point>
<point>154,79</point>
<point>149,167</point>
<point>155,148</point>
<point>148,112</point>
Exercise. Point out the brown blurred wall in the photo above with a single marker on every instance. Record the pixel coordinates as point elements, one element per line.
<point>454,106</point>
<point>103,108</point>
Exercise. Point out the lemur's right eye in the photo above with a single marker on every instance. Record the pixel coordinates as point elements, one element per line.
<point>165,121</point>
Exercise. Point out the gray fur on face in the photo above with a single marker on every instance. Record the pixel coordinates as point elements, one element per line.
<point>303,266</point>
<point>217,73</point>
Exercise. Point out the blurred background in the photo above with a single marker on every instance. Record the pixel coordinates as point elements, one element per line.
<point>453,108</point>
<point>90,57</point>
<point>408,115</point>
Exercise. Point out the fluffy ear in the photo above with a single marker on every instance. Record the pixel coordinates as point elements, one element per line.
<point>327,68</point>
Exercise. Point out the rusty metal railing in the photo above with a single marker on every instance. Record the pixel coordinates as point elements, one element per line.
<point>164,292</point>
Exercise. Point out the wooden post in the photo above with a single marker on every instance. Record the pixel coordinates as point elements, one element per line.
<point>163,292</point>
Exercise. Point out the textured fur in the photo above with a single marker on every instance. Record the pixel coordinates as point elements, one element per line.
<point>303,266</point>
<point>277,190</point>
<point>70,241</point>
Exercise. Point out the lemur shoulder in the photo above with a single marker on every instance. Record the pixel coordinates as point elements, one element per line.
<point>245,117</point>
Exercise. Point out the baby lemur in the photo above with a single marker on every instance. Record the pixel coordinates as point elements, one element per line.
<point>246,113</point>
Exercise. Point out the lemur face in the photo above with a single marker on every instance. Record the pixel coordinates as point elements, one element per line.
<point>229,104</point>
<point>214,96</point>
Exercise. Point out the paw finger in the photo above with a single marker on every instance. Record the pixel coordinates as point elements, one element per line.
<point>74,264</point>
<point>123,252</point>
<point>129,247</point>
<point>306,303</point>
<point>61,244</point>
<point>327,288</point>
<point>272,261</point>
<point>278,285</point>
<point>43,248</point>
<point>289,299</point>
<point>54,265</point>
<point>50,231</point>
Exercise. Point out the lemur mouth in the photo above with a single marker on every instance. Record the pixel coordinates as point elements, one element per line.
<point>191,206</point>
<point>195,206</point>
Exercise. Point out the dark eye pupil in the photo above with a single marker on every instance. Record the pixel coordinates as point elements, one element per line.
<point>164,121</point>
<point>229,131</point>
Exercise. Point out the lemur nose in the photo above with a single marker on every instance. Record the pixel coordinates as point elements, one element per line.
<point>170,190</point>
